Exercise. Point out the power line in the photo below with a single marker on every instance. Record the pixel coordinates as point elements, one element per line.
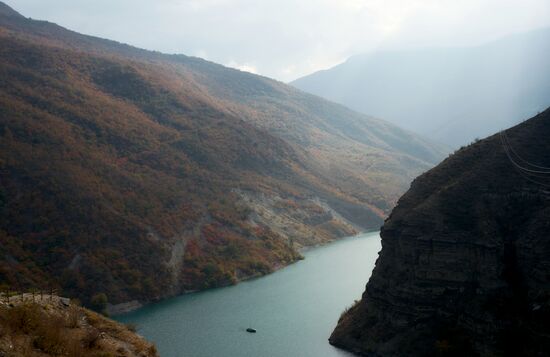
<point>507,150</point>
<point>524,172</point>
<point>509,146</point>
<point>534,181</point>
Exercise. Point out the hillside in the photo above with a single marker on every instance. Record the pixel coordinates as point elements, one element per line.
<point>465,257</point>
<point>452,95</point>
<point>143,175</point>
<point>48,325</point>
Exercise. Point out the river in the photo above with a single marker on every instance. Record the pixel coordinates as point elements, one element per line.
<point>294,309</point>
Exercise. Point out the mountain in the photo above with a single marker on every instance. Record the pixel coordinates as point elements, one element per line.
<point>452,95</point>
<point>143,175</point>
<point>465,260</point>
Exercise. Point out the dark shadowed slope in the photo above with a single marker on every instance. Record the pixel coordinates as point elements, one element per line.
<point>448,94</point>
<point>465,262</point>
<point>144,175</point>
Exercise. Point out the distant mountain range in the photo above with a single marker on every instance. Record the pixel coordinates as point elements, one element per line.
<point>465,263</point>
<point>452,95</point>
<point>144,175</point>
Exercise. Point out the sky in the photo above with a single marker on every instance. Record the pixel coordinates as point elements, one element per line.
<point>287,39</point>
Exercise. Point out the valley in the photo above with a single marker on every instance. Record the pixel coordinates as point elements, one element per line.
<point>142,175</point>
<point>164,191</point>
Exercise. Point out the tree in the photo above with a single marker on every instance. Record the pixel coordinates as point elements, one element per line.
<point>98,302</point>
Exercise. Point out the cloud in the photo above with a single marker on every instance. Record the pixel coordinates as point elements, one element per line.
<point>286,39</point>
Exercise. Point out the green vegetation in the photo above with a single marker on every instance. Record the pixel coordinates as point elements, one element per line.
<point>98,302</point>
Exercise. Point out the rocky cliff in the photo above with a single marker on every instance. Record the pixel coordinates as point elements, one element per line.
<point>465,261</point>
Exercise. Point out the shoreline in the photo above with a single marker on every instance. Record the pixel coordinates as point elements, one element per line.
<point>130,306</point>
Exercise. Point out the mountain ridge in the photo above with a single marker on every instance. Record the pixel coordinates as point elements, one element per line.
<point>449,94</point>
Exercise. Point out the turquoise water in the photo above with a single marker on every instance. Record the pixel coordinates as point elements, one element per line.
<point>294,309</point>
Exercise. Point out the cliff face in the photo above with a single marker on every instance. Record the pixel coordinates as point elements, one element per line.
<point>465,261</point>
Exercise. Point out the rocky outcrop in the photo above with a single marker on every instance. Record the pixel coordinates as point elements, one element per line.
<point>304,222</point>
<point>465,261</point>
<point>123,307</point>
<point>40,325</point>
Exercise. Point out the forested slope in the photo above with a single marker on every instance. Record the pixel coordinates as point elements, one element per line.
<point>144,175</point>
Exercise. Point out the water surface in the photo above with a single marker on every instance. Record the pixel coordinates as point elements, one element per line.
<point>294,309</point>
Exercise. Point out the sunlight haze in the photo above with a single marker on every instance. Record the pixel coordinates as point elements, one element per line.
<point>287,39</point>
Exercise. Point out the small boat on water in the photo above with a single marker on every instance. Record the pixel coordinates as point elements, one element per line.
<point>251,330</point>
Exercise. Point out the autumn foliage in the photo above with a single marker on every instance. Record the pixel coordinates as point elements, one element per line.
<point>111,155</point>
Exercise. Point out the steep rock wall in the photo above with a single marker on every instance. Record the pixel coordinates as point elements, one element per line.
<point>465,261</point>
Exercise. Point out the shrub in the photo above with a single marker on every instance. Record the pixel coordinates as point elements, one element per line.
<point>90,338</point>
<point>73,316</point>
<point>98,302</point>
<point>23,318</point>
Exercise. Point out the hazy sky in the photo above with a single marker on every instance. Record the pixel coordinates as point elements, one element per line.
<point>286,39</point>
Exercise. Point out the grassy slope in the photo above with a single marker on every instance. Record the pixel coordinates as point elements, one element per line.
<point>48,327</point>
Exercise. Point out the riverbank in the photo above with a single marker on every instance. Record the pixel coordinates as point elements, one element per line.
<point>133,305</point>
<point>299,305</point>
